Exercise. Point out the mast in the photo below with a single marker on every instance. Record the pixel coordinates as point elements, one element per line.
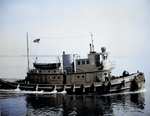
<point>27,51</point>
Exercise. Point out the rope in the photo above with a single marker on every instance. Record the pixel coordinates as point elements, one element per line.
<point>59,37</point>
<point>80,46</point>
<point>36,49</point>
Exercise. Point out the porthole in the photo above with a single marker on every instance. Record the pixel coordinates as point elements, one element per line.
<point>58,77</point>
<point>82,76</point>
<point>53,77</point>
<point>78,76</point>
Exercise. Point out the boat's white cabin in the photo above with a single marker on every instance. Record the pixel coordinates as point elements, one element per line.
<point>95,62</point>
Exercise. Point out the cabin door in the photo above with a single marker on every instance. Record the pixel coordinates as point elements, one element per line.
<point>64,79</point>
<point>88,78</point>
<point>73,78</point>
<point>97,60</point>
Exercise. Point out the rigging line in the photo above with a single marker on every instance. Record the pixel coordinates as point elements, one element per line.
<point>36,50</point>
<point>31,64</point>
<point>12,56</point>
<point>71,45</point>
<point>13,67</point>
<point>64,37</point>
<point>29,55</point>
<point>80,46</point>
<point>30,49</point>
<point>57,47</point>
<point>16,56</point>
<point>31,36</point>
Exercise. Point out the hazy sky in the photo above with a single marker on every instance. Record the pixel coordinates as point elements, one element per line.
<point>122,26</point>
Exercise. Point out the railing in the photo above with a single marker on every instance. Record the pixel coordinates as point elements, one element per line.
<point>111,64</point>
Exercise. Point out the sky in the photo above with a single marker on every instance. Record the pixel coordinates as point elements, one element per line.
<point>66,25</point>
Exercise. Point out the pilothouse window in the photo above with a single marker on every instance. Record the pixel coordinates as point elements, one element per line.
<point>78,62</point>
<point>87,62</point>
<point>83,62</point>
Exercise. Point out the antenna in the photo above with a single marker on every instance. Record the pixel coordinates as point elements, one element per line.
<point>92,46</point>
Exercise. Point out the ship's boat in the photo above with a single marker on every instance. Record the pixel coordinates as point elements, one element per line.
<point>47,65</point>
<point>91,74</point>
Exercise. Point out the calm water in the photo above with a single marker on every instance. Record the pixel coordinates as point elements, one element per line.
<point>25,103</point>
<point>21,103</point>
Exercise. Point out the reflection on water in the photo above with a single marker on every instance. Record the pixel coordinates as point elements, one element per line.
<point>85,104</point>
<point>76,105</point>
<point>66,104</point>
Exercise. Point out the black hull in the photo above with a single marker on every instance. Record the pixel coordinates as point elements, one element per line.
<point>115,85</point>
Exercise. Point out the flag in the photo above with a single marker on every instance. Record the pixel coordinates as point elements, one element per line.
<point>37,40</point>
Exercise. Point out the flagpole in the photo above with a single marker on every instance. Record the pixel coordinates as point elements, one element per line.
<point>27,51</point>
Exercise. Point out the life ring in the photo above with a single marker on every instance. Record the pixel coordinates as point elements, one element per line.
<point>92,62</point>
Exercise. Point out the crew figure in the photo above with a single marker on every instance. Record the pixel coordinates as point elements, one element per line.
<point>106,78</point>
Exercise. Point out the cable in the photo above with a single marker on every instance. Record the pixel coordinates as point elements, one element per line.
<point>61,37</point>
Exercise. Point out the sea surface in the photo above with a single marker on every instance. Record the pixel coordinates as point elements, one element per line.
<point>26,103</point>
<point>40,103</point>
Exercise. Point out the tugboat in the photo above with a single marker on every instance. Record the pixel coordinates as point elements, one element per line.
<point>91,74</point>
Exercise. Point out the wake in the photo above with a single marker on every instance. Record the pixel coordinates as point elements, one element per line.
<point>30,92</point>
<point>64,92</point>
<point>125,93</point>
